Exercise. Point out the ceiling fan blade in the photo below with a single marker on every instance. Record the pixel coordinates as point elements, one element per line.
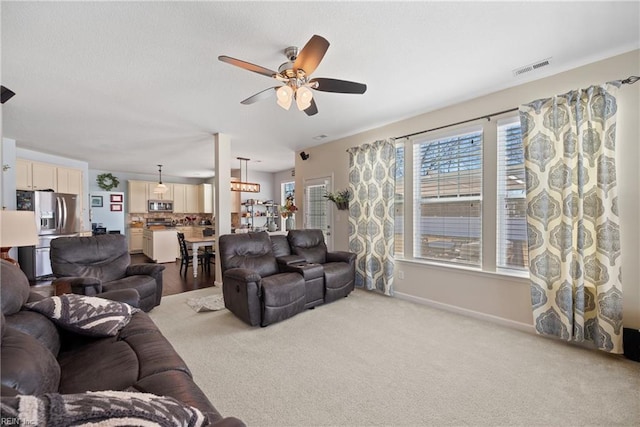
<point>339,86</point>
<point>312,109</point>
<point>265,94</point>
<point>311,54</point>
<point>247,66</point>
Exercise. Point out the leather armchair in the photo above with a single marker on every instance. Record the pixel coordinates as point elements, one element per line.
<point>253,287</point>
<point>339,266</point>
<point>97,264</point>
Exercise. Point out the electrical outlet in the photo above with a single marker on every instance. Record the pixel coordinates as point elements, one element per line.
<point>400,274</point>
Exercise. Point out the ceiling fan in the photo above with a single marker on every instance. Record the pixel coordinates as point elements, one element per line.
<point>295,77</point>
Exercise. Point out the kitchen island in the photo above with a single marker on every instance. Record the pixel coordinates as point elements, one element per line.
<point>160,244</point>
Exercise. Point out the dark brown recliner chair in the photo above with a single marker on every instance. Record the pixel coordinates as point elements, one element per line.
<point>339,266</point>
<point>253,287</point>
<point>91,265</point>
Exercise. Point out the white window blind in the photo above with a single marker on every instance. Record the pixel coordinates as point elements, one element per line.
<point>511,239</point>
<point>447,190</point>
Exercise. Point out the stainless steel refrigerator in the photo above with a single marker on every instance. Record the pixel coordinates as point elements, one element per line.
<point>55,216</point>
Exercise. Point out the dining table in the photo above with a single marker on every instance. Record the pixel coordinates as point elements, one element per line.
<point>196,243</point>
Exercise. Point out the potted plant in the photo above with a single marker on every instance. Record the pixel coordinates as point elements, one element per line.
<point>340,198</point>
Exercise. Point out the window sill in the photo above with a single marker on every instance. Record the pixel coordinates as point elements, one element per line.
<point>504,274</point>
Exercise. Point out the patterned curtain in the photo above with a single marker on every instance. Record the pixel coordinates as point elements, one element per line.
<point>372,180</point>
<point>572,216</point>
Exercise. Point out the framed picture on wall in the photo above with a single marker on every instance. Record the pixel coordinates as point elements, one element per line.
<point>116,207</point>
<point>96,201</point>
<point>116,198</point>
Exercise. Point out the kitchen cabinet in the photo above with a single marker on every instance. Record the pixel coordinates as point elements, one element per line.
<point>35,175</point>
<point>179,198</point>
<point>137,196</point>
<point>186,198</point>
<point>135,240</point>
<point>205,198</point>
<point>160,245</point>
<point>69,181</point>
<point>191,199</point>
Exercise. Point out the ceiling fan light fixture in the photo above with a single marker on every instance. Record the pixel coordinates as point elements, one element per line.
<point>303,98</point>
<point>285,96</point>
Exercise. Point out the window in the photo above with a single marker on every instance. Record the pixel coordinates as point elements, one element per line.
<point>511,239</point>
<point>447,194</point>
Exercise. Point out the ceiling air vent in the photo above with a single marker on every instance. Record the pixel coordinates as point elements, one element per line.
<point>531,67</point>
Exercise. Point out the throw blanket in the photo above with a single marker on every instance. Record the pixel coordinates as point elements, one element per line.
<point>99,409</point>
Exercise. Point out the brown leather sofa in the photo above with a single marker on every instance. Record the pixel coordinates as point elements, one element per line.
<point>95,264</point>
<point>38,357</point>
<point>268,279</point>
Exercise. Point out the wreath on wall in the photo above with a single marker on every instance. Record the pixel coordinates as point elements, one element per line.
<point>107,181</point>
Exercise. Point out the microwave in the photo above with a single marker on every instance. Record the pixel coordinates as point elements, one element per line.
<point>160,205</point>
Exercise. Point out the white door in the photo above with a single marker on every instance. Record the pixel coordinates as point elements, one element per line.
<point>316,209</point>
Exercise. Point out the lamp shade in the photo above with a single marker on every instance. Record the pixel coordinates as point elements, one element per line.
<point>18,229</point>
<point>285,96</point>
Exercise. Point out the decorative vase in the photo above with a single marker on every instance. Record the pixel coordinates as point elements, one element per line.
<point>271,225</point>
<point>289,224</point>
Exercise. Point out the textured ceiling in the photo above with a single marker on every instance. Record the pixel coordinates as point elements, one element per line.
<point>127,85</point>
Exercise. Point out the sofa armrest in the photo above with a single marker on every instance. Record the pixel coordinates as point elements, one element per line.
<point>147,269</point>
<point>90,286</point>
<point>341,256</point>
<point>242,275</point>
<point>286,260</point>
<point>153,270</point>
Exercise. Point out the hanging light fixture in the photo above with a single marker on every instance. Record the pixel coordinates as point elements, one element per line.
<point>160,188</point>
<point>247,187</point>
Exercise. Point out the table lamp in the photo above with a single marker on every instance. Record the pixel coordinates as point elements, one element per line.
<point>18,228</point>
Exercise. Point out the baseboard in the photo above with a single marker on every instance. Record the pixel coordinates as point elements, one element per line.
<point>466,312</point>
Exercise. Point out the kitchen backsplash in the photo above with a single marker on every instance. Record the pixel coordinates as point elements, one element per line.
<point>178,219</point>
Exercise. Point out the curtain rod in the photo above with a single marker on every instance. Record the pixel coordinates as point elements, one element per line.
<point>628,81</point>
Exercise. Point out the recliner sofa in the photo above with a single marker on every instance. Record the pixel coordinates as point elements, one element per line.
<point>39,357</point>
<point>95,264</point>
<point>267,279</point>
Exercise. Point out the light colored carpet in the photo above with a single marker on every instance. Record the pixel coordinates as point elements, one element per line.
<point>370,360</point>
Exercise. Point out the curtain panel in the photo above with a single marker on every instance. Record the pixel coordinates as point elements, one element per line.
<point>372,172</point>
<point>572,216</point>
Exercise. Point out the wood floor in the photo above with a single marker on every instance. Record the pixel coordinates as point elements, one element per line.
<point>173,282</point>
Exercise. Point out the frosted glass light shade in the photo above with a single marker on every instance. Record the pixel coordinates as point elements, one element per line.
<point>160,189</point>
<point>285,96</point>
<point>303,98</point>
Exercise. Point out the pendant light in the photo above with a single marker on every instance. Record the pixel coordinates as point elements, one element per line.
<point>247,187</point>
<point>160,188</point>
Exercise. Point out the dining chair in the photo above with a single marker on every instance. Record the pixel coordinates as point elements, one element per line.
<point>186,257</point>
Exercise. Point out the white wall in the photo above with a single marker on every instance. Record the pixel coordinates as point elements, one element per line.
<point>489,295</point>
